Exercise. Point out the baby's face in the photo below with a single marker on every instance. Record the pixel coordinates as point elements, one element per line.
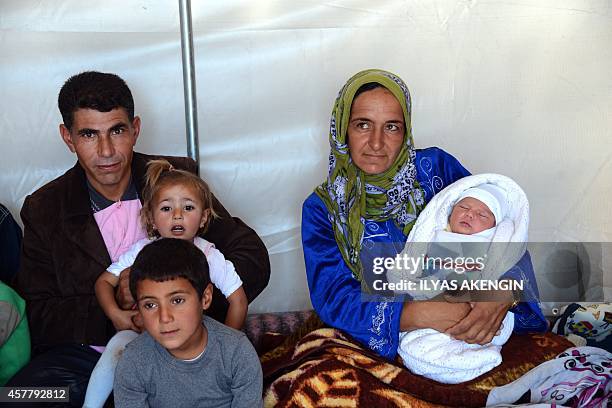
<point>470,216</point>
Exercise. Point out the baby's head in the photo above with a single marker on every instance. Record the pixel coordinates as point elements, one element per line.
<point>176,203</point>
<point>477,209</point>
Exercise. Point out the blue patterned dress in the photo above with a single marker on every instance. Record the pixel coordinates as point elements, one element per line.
<point>336,295</point>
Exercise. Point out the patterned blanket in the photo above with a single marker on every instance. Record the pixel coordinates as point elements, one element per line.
<point>322,367</point>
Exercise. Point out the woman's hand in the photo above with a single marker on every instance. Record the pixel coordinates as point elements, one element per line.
<point>481,324</point>
<point>434,314</point>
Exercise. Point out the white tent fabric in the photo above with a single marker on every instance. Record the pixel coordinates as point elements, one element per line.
<point>518,88</point>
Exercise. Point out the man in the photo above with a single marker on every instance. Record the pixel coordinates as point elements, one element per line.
<point>10,242</point>
<point>78,223</point>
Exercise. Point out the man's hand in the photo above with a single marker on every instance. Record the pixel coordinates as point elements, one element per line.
<point>481,324</point>
<point>138,322</point>
<point>122,320</point>
<point>123,295</point>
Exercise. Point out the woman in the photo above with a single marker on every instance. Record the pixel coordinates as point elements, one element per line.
<point>376,187</point>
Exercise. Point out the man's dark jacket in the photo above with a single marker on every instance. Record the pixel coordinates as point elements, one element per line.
<point>63,253</point>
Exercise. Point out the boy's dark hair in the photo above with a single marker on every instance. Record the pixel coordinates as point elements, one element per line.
<point>94,90</point>
<point>170,258</point>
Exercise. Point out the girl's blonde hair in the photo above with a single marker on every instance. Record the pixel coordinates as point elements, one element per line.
<point>160,173</point>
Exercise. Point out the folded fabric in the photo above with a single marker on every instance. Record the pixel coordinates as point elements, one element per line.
<point>578,377</point>
<point>439,357</point>
<point>592,322</point>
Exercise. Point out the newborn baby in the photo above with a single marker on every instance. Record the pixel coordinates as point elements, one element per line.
<point>474,217</point>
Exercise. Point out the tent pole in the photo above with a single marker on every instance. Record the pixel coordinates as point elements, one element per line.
<point>189,83</point>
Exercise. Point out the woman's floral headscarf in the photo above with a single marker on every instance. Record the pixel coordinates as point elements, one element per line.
<point>352,196</point>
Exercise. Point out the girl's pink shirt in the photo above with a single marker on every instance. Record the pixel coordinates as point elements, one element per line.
<point>120,226</point>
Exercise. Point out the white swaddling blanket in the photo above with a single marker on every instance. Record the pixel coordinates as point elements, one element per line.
<point>436,355</point>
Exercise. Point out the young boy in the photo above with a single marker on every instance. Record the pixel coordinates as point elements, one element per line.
<point>183,359</point>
